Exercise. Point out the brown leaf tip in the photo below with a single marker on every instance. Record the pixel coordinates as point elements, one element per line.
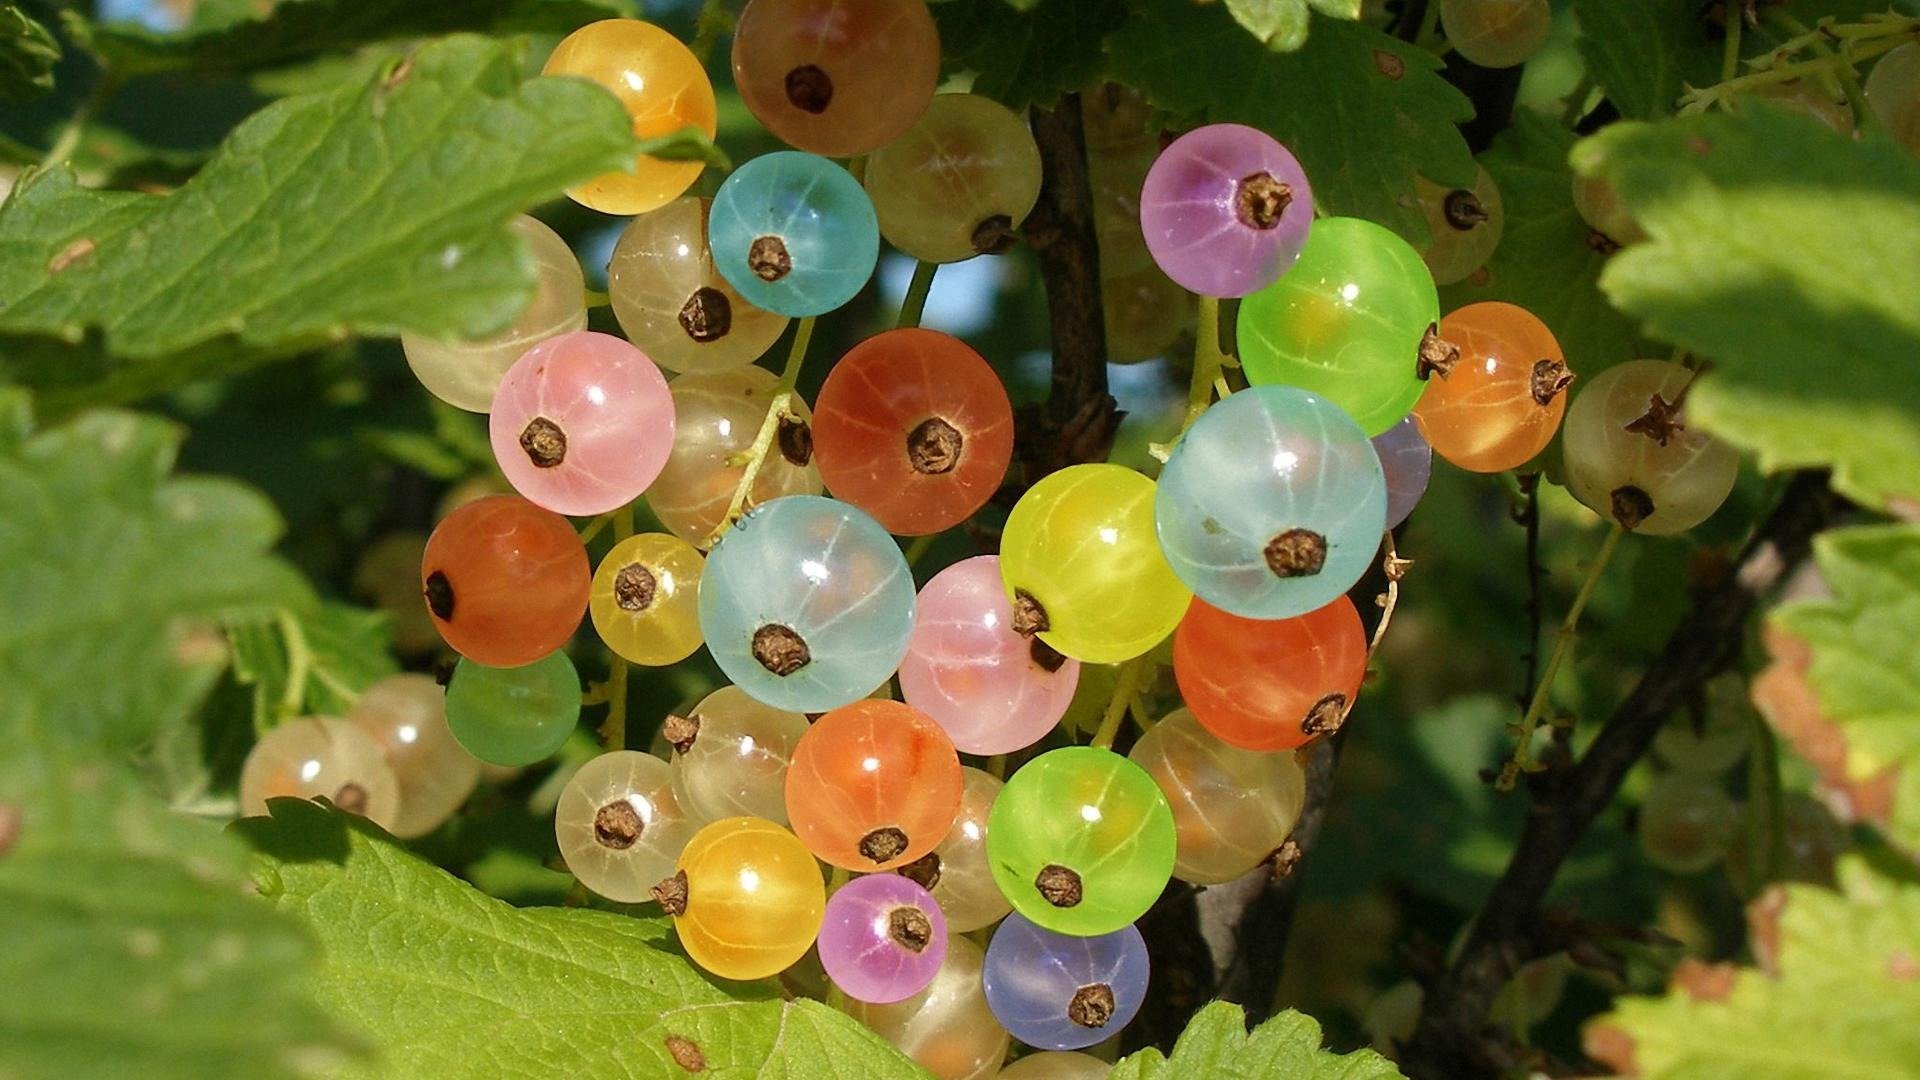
<point>1703,981</point>
<point>1059,886</point>
<point>1091,1006</point>
<point>671,894</point>
<point>71,254</point>
<point>884,844</point>
<point>686,1053</point>
<point>9,827</point>
<point>780,649</point>
<point>1389,65</point>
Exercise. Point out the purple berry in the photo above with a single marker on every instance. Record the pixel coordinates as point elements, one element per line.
<point>1225,210</point>
<point>1408,462</point>
<point>883,938</point>
<point>1057,992</point>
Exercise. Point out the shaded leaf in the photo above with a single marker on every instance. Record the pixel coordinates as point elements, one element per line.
<point>1026,57</point>
<point>1286,1047</point>
<point>28,52</point>
<point>346,650</point>
<point>1644,53</point>
<point>1785,252</point>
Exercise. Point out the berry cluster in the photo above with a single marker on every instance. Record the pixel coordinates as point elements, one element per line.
<point>1270,508</point>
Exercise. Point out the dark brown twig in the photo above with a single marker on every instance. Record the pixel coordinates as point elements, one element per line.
<point>1507,932</point>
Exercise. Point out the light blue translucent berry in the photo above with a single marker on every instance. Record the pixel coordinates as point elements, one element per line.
<point>1057,992</point>
<point>807,604</point>
<point>1272,504</point>
<point>793,233</point>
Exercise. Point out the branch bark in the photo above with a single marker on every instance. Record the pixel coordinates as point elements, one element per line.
<point>1510,930</point>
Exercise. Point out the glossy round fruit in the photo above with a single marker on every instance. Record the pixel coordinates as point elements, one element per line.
<point>873,785</point>
<point>793,233</point>
<point>582,423</point>
<point>837,77</point>
<point>747,898</point>
<point>1466,223</point>
<point>1599,206</point>
<point>1272,504</point>
<point>1632,457</point>
<point>619,826</point>
<point>1893,93</point>
<point>913,427</point>
<point>1270,685</point>
<point>1687,823</point>
<point>664,89</point>
<point>646,599</point>
<point>1115,177</point>
<point>1231,807</point>
<point>1145,313</point>
<point>716,417</point>
<point>1062,993</point>
<point>407,717</point>
<point>993,690</point>
<point>1496,33</point>
<point>320,757</point>
<point>807,604</point>
<point>505,581</point>
<point>883,938</point>
<point>1081,841</point>
<point>1498,405</point>
<point>957,183</point>
<point>673,304</point>
<point>1407,463</point>
<point>956,870</point>
<point>464,374</point>
<point>947,1028</point>
<point>1225,210</point>
<point>514,716</point>
<point>1346,322</point>
<point>1057,1065</point>
<point>734,762</point>
<point>1082,566</point>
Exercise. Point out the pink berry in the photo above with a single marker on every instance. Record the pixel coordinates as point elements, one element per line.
<point>993,690</point>
<point>582,423</point>
<point>883,939</point>
<point>1225,210</point>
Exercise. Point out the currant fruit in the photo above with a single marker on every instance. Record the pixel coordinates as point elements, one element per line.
<point>1232,808</point>
<point>1058,992</point>
<point>1687,823</point>
<point>1145,313</point>
<point>837,77</point>
<point>873,785</point>
<point>1407,463</point>
<point>883,938</point>
<point>1498,405</point>
<point>1225,210</point>
<point>1497,33</point>
<point>1893,93</point>
<point>1632,457</point>
<point>505,581</point>
<point>731,758</point>
<point>1270,685</point>
<point>646,599</point>
<point>1466,223</point>
<point>956,870</point>
<point>320,757</point>
<point>716,418</point>
<point>1057,1065</point>
<point>407,716</point>
<point>947,1029</point>
<point>958,183</point>
<point>793,233</point>
<point>619,827</point>
<point>673,304</point>
<point>514,716</point>
<point>747,898</point>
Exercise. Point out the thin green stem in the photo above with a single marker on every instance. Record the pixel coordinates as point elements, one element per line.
<point>1577,102</point>
<point>596,526</point>
<point>1730,56</point>
<point>299,662</point>
<point>915,303</point>
<point>1129,683</point>
<point>71,132</point>
<point>1766,838</point>
<point>1208,361</point>
<point>1843,72</point>
<point>918,549</point>
<point>595,298</point>
<point>713,24</point>
<point>777,410</point>
<point>1562,646</point>
<point>997,766</point>
<point>613,730</point>
<point>1429,35</point>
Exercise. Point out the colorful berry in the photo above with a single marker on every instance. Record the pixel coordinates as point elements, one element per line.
<point>582,423</point>
<point>664,89</point>
<point>1632,456</point>
<point>1467,224</point>
<point>1231,807</point>
<point>619,827</point>
<point>646,599</point>
<point>514,716</point>
<point>1082,566</point>
<point>1270,684</point>
<point>716,419</point>
<point>956,870</point>
<point>1058,992</point>
<point>873,785</point>
<point>731,756</point>
<point>320,757</point>
<point>1497,405</point>
<point>794,233</point>
<point>505,581</point>
<point>883,938</point>
<point>837,77</point>
<point>1272,504</point>
<point>747,898</point>
<point>993,690</point>
<point>947,1028</point>
<point>1081,841</point>
<point>1347,322</point>
<point>1407,463</point>
<point>673,304</point>
<point>1225,210</point>
<point>465,374</point>
<point>1496,33</point>
<point>913,427</point>
<point>958,183</point>
<point>1686,823</point>
<point>407,716</point>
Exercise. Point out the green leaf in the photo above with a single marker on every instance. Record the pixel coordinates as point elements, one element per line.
<point>1286,1047</point>
<point>1361,110</point>
<point>1544,262</point>
<point>1784,252</point>
<point>1029,57</point>
<point>28,52</point>
<point>244,35</point>
<point>344,651</point>
<point>1644,53</point>
<point>453,983</point>
<point>115,576</point>
<point>374,208</point>
<point>1864,669</point>
<point>1833,998</point>
<point>1280,25</point>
